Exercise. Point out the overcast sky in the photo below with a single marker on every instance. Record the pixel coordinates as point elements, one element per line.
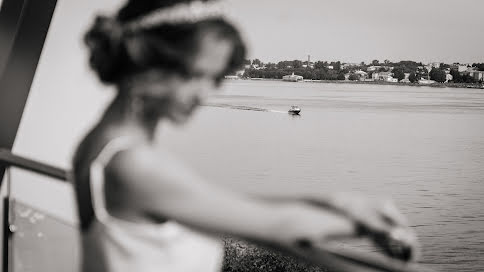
<point>354,30</point>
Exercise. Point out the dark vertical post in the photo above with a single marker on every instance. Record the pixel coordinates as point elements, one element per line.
<point>6,234</point>
<point>23,28</point>
<point>10,14</point>
<point>27,30</point>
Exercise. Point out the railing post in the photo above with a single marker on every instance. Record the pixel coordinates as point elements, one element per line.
<point>9,161</point>
<point>6,233</point>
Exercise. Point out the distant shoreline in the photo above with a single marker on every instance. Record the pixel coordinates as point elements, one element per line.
<point>433,85</point>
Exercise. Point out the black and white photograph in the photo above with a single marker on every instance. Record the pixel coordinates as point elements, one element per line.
<point>241,136</point>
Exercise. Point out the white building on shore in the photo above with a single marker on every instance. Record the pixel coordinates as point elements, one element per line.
<point>292,78</point>
<point>426,81</point>
<point>238,74</point>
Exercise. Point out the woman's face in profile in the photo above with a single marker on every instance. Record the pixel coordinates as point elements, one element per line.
<point>185,93</point>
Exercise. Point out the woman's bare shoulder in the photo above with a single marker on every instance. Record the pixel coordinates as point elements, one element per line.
<point>153,181</point>
<point>144,165</point>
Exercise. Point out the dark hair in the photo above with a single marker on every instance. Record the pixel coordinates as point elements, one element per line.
<point>115,53</point>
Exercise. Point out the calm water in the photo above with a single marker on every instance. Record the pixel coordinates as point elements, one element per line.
<point>424,147</point>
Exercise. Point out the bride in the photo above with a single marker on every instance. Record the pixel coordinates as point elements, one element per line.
<point>144,210</point>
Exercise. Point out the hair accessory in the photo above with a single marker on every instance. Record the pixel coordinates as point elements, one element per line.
<point>180,13</point>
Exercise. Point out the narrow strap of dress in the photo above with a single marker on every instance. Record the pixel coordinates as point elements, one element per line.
<point>97,177</point>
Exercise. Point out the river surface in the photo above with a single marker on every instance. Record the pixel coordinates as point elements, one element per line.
<point>423,147</point>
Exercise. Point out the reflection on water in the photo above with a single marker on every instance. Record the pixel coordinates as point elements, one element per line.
<point>424,147</point>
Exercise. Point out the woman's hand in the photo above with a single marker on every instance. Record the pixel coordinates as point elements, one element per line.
<point>378,219</point>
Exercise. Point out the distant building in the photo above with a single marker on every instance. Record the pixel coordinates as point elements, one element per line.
<point>448,77</point>
<point>382,76</point>
<point>461,68</point>
<point>426,81</point>
<point>330,67</point>
<point>477,75</point>
<point>292,78</point>
<point>308,63</point>
<point>375,76</point>
<point>311,65</point>
<point>391,79</point>
<point>348,65</point>
<point>373,68</point>
<point>362,75</point>
<point>238,75</point>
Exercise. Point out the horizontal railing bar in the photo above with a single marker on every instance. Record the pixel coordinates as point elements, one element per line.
<point>8,159</point>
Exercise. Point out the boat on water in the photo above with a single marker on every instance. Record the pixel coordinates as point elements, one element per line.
<point>294,110</point>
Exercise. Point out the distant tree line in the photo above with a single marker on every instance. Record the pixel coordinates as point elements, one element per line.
<point>321,70</point>
<point>335,70</point>
<point>479,66</point>
<point>462,78</point>
<point>315,74</point>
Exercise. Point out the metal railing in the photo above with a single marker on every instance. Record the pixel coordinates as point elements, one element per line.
<point>327,255</point>
<point>7,160</point>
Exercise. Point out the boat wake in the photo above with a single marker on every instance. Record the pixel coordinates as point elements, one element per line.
<point>235,107</point>
<point>277,111</point>
<point>247,108</point>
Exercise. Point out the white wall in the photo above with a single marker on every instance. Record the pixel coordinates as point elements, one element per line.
<point>64,101</point>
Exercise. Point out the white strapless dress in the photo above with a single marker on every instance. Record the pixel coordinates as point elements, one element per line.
<point>113,244</point>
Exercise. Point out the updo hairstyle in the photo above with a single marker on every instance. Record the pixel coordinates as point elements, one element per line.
<point>116,53</point>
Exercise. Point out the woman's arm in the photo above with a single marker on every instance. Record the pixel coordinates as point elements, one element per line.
<point>376,218</point>
<point>379,214</point>
<point>158,184</point>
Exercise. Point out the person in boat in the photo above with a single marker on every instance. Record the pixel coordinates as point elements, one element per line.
<point>142,209</point>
